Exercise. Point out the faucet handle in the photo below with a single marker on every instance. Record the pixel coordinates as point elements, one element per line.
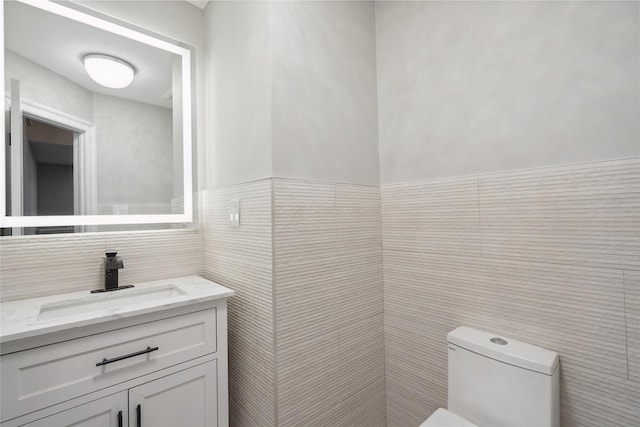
<point>111,261</point>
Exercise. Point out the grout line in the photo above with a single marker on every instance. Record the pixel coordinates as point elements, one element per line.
<point>335,220</point>
<point>274,306</point>
<point>232,186</point>
<point>202,226</point>
<point>479,215</point>
<point>626,333</point>
<point>384,311</point>
<point>324,181</point>
<point>516,259</point>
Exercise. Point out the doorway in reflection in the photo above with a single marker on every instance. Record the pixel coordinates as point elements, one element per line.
<point>48,167</point>
<point>50,164</point>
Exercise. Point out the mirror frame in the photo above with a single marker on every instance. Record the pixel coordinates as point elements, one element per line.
<point>59,220</point>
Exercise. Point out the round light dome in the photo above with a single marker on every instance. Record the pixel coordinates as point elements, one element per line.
<point>108,71</point>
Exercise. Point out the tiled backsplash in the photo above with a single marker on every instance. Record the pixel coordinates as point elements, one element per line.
<point>34,266</point>
<point>548,256</point>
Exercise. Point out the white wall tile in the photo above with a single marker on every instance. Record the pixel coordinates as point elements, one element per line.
<point>433,216</point>
<point>581,215</point>
<point>241,259</point>
<point>33,266</point>
<point>157,254</point>
<point>553,244</point>
<point>328,273</point>
<point>306,265</point>
<point>632,303</point>
<point>307,374</point>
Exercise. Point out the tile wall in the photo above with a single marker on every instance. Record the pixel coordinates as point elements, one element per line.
<point>33,266</point>
<point>241,259</point>
<point>548,256</point>
<point>329,307</point>
<point>306,324</point>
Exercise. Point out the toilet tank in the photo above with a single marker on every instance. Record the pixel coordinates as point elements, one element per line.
<point>497,381</point>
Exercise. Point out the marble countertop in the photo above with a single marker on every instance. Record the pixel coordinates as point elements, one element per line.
<point>39,316</point>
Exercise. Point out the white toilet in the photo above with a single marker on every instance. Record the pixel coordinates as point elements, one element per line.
<point>498,382</point>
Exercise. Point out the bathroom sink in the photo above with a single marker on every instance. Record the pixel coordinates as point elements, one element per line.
<point>107,301</point>
<point>69,313</point>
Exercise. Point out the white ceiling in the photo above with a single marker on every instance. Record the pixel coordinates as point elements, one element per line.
<point>59,44</point>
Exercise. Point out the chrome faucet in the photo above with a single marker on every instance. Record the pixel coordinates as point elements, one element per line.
<point>112,263</point>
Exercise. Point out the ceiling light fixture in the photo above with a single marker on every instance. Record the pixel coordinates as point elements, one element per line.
<point>108,70</point>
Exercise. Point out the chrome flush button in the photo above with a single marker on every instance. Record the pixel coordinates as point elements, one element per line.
<point>498,341</point>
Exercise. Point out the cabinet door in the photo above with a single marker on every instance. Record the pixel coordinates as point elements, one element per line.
<point>63,371</point>
<point>187,399</point>
<point>110,411</point>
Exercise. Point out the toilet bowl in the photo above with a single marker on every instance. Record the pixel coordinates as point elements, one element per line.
<point>498,382</point>
<point>444,418</point>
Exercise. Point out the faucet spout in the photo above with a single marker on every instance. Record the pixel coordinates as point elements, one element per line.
<point>112,263</point>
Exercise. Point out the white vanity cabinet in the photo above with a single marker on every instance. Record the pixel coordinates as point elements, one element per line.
<point>154,403</point>
<point>182,399</point>
<point>164,367</point>
<point>110,411</point>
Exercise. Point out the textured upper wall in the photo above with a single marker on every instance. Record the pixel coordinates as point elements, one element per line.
<point>323,79</point>
<point>291,92</point>
<point>473,87</point>
<point>238,93</point>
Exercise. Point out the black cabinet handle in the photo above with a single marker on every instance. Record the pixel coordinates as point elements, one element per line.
<point>139,416</point>
<point>126,356</point>
<point>120,419</point>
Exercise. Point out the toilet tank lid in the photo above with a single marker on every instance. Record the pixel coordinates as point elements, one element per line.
<point>508,350</point>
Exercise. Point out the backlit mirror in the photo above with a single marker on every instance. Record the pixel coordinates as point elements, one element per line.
<point>88,143</point>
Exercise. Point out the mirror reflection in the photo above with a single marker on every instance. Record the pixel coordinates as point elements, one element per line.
<point>88,141</point>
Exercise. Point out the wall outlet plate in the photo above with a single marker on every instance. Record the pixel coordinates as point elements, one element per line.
<point>234,212</point>
<point>120,209</point>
